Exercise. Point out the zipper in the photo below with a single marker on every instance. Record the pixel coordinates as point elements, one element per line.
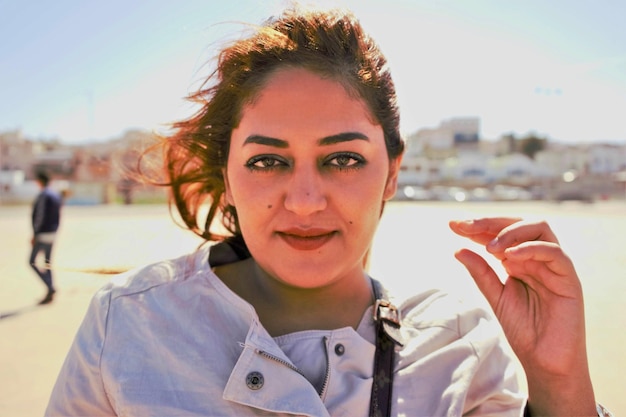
<point>293,368</point>
<point>279,360</point>
<point>327,376</point>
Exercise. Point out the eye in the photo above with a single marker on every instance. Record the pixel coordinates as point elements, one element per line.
<point>345,160</point>
<point>265,163</point>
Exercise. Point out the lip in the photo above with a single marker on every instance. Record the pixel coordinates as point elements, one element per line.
<point>306,239</point>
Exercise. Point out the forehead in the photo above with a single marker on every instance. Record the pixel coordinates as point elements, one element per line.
<point>299,99</point>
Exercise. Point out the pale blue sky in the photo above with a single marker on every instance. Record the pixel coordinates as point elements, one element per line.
<point>81,69</point>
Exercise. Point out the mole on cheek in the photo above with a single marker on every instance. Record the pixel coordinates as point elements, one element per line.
<point>269,206</point>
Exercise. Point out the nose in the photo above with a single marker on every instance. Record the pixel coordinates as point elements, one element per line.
<point>305,192</point>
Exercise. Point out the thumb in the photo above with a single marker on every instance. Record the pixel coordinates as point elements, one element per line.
<point>485,277</point>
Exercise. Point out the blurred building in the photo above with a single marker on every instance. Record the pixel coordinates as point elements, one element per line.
<point>92,173</point>
<point>454,155</point>
<point>451,155</point>
<point>16,152</point>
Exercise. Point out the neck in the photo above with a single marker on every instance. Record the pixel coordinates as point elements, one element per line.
<point>286,309</point>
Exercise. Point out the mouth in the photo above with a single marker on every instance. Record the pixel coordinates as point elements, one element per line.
<point>306,240</point>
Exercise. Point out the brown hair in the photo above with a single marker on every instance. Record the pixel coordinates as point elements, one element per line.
<point>330,43</point>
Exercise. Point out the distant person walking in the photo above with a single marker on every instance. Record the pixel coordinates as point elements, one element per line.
<point>46,217</point>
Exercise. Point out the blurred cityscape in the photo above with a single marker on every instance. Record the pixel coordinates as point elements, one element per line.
<point>90,173</point>
<point>448,162</point>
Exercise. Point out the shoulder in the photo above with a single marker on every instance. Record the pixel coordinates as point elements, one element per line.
<point>449,317</point>
<point>50,195</point>
<point>49,192</point>
<point>440,308</point>
<point>158,274</point>
<point>455,348</point>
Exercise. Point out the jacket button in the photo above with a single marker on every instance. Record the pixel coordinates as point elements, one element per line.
<point>254,380</point>
<point>340,349</point>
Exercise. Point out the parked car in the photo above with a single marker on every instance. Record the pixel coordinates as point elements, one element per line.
<point>511,193</point>
<point>413,193</point>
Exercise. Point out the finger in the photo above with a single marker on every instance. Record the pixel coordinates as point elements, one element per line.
<point>546,252</point>
<point>542,260</point>
<point>483,230</point>
<point>485,277</point>
<point>518,233</point>
<point>533,274</point>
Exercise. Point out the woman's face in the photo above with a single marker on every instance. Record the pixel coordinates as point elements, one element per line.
<point>308,172</point>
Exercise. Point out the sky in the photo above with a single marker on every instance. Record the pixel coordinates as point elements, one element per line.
<point>83,70</point>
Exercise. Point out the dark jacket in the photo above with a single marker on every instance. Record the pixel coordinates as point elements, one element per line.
<point>46,212</point>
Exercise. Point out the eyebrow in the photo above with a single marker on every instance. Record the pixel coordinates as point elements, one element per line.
<point>325,141</point>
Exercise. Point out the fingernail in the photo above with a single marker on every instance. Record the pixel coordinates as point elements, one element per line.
<point>463,223</point>
<point>493,244</point>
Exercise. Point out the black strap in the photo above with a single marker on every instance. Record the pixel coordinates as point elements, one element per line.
<point>387,320</point>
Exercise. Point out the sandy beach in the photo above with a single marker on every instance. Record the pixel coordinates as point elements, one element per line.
<point>413,249</point>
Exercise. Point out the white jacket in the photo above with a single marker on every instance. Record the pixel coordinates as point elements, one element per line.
<point>172,340</point>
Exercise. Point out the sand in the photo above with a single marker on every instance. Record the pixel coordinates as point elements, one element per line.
<point>413,249</point>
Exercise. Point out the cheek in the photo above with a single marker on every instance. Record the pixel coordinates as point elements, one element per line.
<point>361,205</point>
<point>249,195</point>
<point>367,206</point>
<point>366,191</point>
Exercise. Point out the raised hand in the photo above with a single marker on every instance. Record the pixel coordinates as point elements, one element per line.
<point>540,307</point>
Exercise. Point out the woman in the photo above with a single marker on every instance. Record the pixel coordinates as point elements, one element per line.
<point>295,149</point>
